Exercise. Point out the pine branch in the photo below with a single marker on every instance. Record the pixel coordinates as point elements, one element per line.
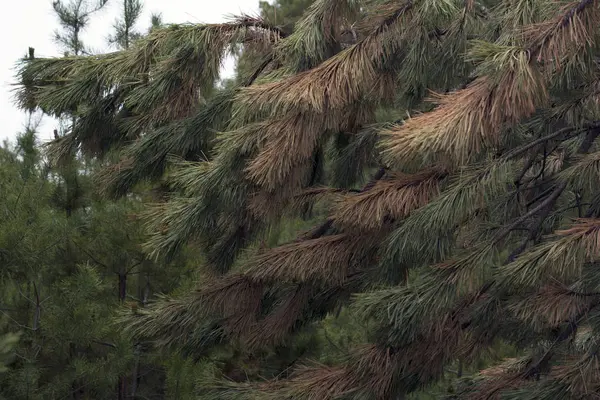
<point>306,91</point>
<point>253,22</point>
<point>545,206</point>
<point>545,39</point>
<point>563,335</point>
<point>325,226</point>
<point>570,130</point>
<point>268,60</point>
<point>388,200</point>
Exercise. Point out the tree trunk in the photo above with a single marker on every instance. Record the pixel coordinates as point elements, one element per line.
<point>136,371</point>
<point>144,292</point>
<point>122,384</point>
<point>122,286</point>
<point>122,388</point>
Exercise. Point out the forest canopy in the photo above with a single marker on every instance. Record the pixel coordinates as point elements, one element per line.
<point>389,200</point>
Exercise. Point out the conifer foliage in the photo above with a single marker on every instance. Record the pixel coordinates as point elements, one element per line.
<point>444,151</point>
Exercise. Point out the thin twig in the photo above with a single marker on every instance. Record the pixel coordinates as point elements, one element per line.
<point>548,202</point>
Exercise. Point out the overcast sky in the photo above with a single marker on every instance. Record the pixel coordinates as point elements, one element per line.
<point>31,23</point>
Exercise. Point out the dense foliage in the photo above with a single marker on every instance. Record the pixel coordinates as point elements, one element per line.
<point>70,261</point>
<point>391,199</point>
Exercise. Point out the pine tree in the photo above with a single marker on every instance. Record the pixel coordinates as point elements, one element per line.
<point>466,222</point>
<point>73,17</point>
<point>62,308</point>
<point>284,13</point>
<point>124,26</point>
<point>66,274</point>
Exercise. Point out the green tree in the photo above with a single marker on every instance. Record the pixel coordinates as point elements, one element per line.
<point>467,226</point>
<point>124,26</point>
<point>284,13</point>
<point>73,259</point>
<point>73,17</point>
<point>281,14</point>
<point>62,297</point>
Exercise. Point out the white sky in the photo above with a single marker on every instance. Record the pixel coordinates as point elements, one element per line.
<point>31,23</point>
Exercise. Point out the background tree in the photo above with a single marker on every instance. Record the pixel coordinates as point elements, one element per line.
<point>124,26</point>
<point>73,17</point>
<point>65,274</point>
<point>63,307</point>
<point>284,13</point>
